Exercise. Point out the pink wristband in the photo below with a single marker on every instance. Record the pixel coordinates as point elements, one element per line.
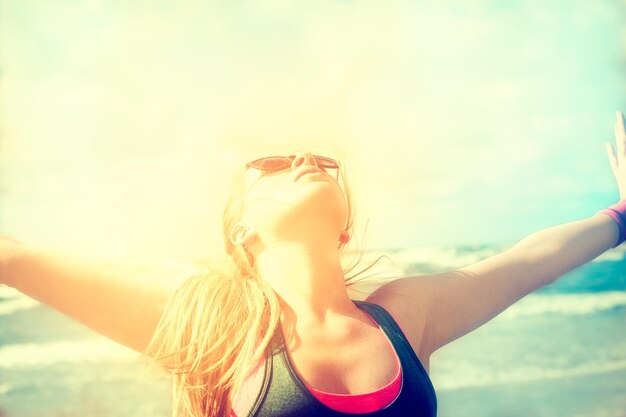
<point>618,212</point>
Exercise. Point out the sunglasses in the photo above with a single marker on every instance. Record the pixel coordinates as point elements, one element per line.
<point>272,164</point>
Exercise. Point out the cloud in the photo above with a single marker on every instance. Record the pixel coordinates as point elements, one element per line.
<point>146,112</point>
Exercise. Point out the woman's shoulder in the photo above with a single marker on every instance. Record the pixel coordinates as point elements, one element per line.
<point>407,309</point>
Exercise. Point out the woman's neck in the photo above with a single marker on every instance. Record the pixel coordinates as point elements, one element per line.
<point>309,282</point>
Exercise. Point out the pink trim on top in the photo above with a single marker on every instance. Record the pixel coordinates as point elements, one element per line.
<point>361,403</point>
<point>368,402</point>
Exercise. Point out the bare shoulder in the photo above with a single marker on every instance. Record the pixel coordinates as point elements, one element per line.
<point>435,309</point>
<point>406,299</point>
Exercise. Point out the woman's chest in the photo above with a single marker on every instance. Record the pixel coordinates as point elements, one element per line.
<point>350,370</point>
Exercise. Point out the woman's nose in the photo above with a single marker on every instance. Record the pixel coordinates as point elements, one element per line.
<point>303,157</point>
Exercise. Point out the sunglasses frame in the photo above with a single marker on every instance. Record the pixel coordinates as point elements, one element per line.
<point>322,162</point>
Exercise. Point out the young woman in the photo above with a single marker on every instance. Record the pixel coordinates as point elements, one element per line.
<point>271,330</point>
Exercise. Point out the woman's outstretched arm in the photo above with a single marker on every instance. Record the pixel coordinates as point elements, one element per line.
<point>451,304</point>
<point>435,309</point>
<point>121,305</point>
<point>468,297</point>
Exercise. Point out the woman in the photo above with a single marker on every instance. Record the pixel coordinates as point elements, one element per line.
<point>272,331</point>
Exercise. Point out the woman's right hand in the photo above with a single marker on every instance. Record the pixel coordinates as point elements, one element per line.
<point>618,161</point>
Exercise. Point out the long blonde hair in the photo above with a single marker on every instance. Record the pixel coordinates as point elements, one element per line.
<point>219,322</point>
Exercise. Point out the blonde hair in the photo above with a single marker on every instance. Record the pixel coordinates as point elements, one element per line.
<point>219,322</point>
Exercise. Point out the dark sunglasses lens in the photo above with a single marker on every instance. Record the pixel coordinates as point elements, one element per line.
<point>271,163</point>
<point>324,162</point>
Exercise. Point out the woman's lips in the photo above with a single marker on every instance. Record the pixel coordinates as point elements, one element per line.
<point>306,171</point>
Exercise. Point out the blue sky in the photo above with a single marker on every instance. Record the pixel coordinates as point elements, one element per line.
<point>469,122</point>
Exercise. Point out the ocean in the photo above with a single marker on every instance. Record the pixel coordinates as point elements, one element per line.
<point>560,351</point>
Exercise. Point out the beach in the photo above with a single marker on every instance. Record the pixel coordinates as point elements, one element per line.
<point>560,351</point>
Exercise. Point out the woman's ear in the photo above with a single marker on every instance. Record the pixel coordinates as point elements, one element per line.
<point>344,237</point>
<point>240,233</point>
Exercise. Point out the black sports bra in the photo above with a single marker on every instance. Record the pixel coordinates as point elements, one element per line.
<point>284,394</point>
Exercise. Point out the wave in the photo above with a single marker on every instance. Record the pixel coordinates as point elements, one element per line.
<point>11,300</point>
<point>442,258</point>
<point>8,292</point>
<point>65,351</point>
<point>484,377</point>
<point>426,259</point>
<point>565,304</point>
<point>12,305</point>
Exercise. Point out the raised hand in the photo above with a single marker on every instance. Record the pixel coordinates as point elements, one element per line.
<point>618,162</point>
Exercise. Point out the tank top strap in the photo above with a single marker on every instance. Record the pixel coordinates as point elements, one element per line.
<point>421,383</point>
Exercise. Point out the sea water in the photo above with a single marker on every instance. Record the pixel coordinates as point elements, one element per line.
<point>560,351</point>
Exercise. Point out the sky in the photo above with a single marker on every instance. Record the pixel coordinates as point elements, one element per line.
<point>459,122</point>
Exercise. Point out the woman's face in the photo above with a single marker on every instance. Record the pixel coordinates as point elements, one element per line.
<point>303,201</point>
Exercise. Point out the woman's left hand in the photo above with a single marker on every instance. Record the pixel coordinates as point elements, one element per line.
<point>618,162</point>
